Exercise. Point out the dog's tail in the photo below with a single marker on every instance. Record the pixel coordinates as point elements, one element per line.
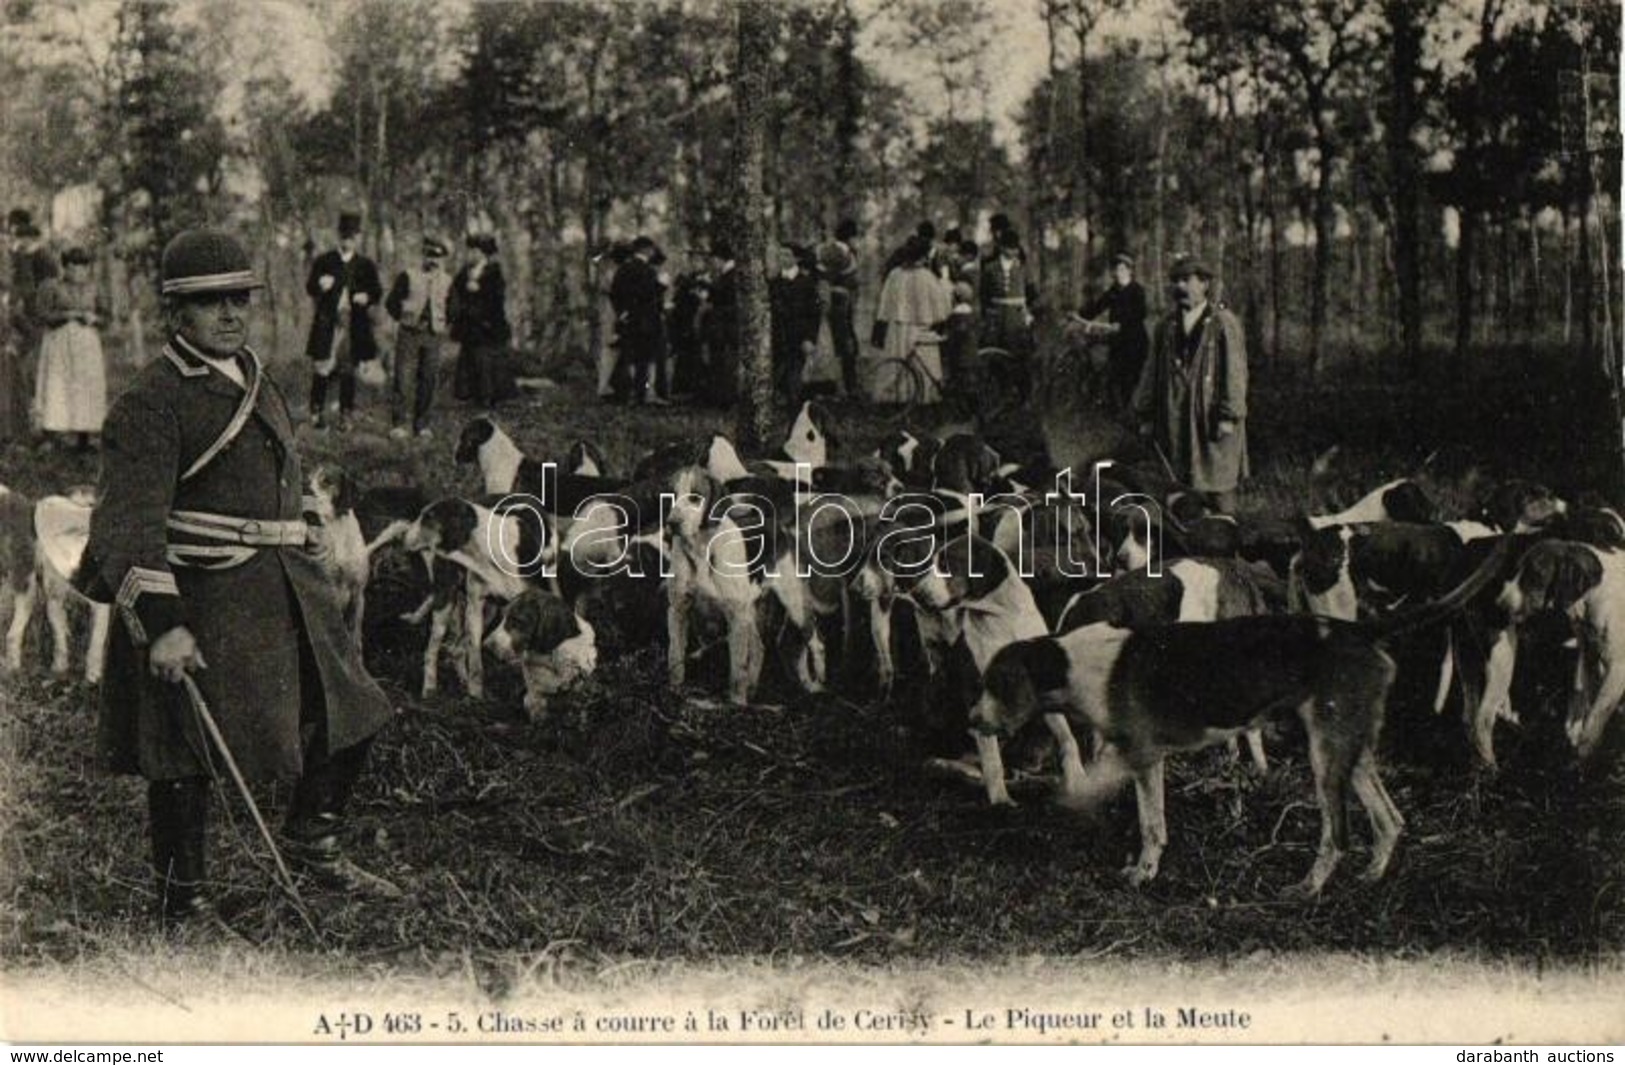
<point>1424,614</point>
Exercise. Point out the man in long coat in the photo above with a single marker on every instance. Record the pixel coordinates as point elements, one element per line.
<point>1192,395</point>
<point>345,288</point>
<point>198,539</point>
<point>637,295</point>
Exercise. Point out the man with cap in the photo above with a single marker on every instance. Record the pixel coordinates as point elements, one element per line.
<point>345,286</point>
<point>1119,315</point>
<point>227,614</point>
<point>417,302</point>
<point>1191,400</point>
<point>637,294</point>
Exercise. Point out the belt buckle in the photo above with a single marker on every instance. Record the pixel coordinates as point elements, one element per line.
<point>249,528</point>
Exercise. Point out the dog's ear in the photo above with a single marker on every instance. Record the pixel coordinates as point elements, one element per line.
<point>347,492</point>
<point>983,567</point>
<point>1406,501</point>
<point>1010,696</point>
<point>474,436</point>
<point>1557,575</point>
<point>457,520</point>
<point>546,622</point>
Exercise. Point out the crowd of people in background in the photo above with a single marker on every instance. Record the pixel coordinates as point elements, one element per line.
<point>946,303</point>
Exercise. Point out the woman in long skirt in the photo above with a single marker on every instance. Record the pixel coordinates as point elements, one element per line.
<point>70,388</point>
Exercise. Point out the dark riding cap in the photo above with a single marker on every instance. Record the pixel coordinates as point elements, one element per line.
<point>349,224</point>
<point>77,256</point>
<point>206,260</point>
<point>1187,265</point>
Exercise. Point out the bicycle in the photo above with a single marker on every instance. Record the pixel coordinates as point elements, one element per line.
<point>906,382</point>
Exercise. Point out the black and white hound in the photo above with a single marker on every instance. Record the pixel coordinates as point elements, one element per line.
<point>494,554</point>
<point>1135,688</point>
<point>41,546</point>
<point>505,469</point>
<point>553,646</point>
<point>336,501</point>
<point>1586,585</point>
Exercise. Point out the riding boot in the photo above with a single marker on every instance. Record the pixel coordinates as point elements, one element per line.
<point>178,814</point>
<point>315,819</point>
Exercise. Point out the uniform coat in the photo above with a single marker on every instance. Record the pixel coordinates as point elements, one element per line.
<point>1006,295</point>
<point>277,651</point>
<point>359,275</point>
<point>1191,383</point>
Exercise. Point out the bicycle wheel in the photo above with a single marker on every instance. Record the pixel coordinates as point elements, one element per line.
<point>897,383</point>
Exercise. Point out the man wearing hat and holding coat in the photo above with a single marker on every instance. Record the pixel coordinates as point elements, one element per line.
<point>1191,400</point>
<point>417,301</point>
<point>345,287</point>
<point>233,657</point>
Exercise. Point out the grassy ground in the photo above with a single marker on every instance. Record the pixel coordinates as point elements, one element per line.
<point>636,824</point>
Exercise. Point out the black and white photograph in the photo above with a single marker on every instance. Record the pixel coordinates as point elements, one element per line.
<point>892,522</point>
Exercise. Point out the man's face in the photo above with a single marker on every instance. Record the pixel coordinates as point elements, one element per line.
<point>215,324</point>
<point>347,243</point>
<point>1190,290</point>
<point>1122,274</point>
<point>431,263</point>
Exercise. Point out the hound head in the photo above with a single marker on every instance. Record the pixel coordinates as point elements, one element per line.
<point>585,460</point>
<point>810,439</point>
<point>83,495</point>
<point>475,435</point>
<point>1520,507</point>
<point>1321,572</point>
<point>1016,677</point>
<point>331,490</point>
<point>870,475</point>
<point>1592,521</point>
<point>968,569</point>
<point>1554,575</point>
<point>533,624</point>
<point>444,525</point>
<point>965,464</point>
<point>693,490</point>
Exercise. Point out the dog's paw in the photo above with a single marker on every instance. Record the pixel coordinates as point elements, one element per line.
<point>1138,875</point>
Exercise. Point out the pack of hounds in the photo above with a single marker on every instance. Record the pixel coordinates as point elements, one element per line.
<point>1136,618</point>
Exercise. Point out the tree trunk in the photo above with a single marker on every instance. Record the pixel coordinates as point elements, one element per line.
<point>1325,229</point>
<point>752,86</point>
<point>1406,176</point>
<point>1466,246</point>
<point>848,113</point>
